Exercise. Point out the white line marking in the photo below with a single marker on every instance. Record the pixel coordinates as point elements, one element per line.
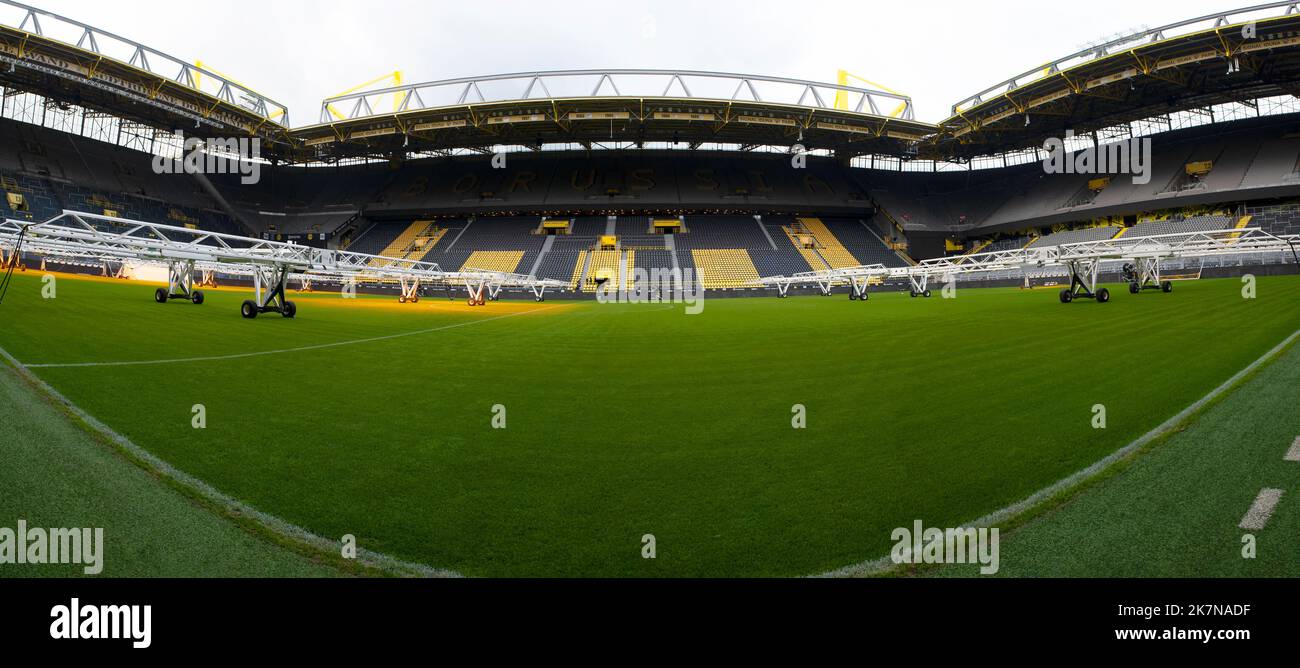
<point>319,346</point>
<point>1293,455</point>
<point>151,462</point>
<point>1261,509</point>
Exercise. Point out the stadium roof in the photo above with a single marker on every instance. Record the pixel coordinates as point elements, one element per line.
<point>69,61</point>
<point>1236,56</point>
<point>586,106</point>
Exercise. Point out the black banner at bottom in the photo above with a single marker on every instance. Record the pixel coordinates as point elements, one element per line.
<point>308,617</point>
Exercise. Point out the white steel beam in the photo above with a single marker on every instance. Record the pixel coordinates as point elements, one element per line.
<point>94,239</point>
<point>1082,260</point>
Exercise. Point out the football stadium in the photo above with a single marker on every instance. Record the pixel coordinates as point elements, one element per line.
<point>631,323</point>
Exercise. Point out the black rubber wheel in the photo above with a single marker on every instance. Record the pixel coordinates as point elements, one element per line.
<point>541,299</point>
<point>160,296</point>
<point>1103,296</point>
<point>197,296</point>
<point>926,294</point>
<point>1066,296</point>
<point>1134,288</point>
<point>415,299</point>
<point>853,296</point>
<point>1167,286</point>
<point>863,297</point>
<point>248,309</point>
<point>471,302</point>
<point>290,310</point>
<point>401,299</point>
<point>913,293</point>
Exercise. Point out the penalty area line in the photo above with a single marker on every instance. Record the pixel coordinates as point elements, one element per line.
<point>318,346</point>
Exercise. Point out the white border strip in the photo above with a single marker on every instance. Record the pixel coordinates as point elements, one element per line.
<point>885,563</point>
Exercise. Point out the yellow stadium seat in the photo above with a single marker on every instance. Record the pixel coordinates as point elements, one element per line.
<point>829,245</point>
<point>577,270</point>
<point>413,243</point>
<point>810,255</point>
<point>504,261</point>
<point>604,264</point>
<point>725,268</point>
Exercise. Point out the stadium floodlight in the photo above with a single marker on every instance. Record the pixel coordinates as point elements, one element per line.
<point>87,237</point>
<point>1082,261</point>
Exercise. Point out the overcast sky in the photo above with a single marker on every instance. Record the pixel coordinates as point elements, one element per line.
<point>301,51</point>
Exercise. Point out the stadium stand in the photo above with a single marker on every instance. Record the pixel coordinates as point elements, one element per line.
<point>589,226</point>
<point>1076,236</point>
<point>398,246</point>
<point>1181,225</point>
<point>788,258</point>
<point>628,275</point>
<point>1251,159</point>
<point>976,246</point>
<point>491,234</point>
<point>654,260</point>
<point>632,226</point>
<point>729,268</point>
<point>507,261</point>
<point>733,210</point>
<point>718,232</point>
<point>1249,169</point>
<point>807,250</point>
<point>1276,218</point>
<point>604,267</point>
<point>865,245</point>
<point>43,172</point>
<point>828,245</point>
<point>1006,243</point>
<point>558,266</point>
<point>579,269</point>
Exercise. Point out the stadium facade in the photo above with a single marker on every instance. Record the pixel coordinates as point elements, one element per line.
<point>578,177</point>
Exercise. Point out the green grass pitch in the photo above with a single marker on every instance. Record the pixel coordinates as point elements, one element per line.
<point>626,420</point>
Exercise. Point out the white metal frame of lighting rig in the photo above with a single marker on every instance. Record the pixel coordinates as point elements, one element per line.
<point>87,238</point>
